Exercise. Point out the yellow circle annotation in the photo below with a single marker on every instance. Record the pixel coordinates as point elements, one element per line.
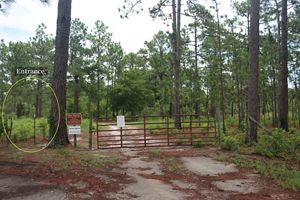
<point>2,113</point>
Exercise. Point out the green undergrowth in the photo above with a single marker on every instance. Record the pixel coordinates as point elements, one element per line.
<point>172,165</point>
<point>152,153</point>
<point>275,155</point>
<point>284,176</point>
<point>280,144</point>
<point>229,143</point>
<point>23,128</point>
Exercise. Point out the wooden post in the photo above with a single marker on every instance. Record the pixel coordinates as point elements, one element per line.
<point>208,125</point>
<point>219,126</point>
<point>215,128</point>
<point>145,132</point>
<point>34,141</point>
<point>121,137</point>
<point>191,129</point>
<point>75,140</point>
<point>97,130</point>
<point>168,131</point>
<point>91,131</point>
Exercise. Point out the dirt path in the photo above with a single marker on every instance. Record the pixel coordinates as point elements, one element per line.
<point>201,177</point>
<point>148,183</point>
<point>144,188</point>
<point>178,173</point>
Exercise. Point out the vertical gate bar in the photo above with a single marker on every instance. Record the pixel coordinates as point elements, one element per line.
<point>191,130</point>
<point>145,131</point>
<point>34,142</point>
<point>97,129</point>
<point>219,126</point>
<point>199,116</point>
<point>121,137</point>
<point>168,131</point>
<point>208,124</point>
<point>215,127</point>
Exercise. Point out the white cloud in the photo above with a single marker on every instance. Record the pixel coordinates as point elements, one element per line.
<point>25,15</point>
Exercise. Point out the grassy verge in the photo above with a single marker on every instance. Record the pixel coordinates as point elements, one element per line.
<point>284,176</point>
<point>171,164</point>
<point>275,155</point>
<point>62,159</point>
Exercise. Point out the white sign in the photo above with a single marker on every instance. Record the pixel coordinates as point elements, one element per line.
<point>74,130</point>
<point>120,121</point>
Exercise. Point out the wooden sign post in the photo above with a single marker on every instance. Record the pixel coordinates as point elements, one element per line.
<point>73,123</point>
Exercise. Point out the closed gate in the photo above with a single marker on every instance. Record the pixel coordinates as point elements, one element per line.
<point>157,131</point>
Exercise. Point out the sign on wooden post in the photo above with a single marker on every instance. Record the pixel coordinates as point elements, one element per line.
<point>120,121</point>
<point>74,130</point>
<point>73,123</point>
<point>74,119</point>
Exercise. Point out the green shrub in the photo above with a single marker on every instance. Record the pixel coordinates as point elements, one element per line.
<point>295,138</point>
<point>278,144</point>
<point>292,130</point>
<point>229,143</point>
<point>231,121</point>
<point>22,129</point>
<point>42,126</point>
<point>1,126</point>
<point>287,178</point>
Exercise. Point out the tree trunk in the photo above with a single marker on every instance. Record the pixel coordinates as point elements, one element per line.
<point>59,77</point>
<point>283,95</point>
<point>274,101</point>
<point>197,103</point>
<point>176,44</point>
<point>76,94</point>
<point>222,103</point>
<point>253,98</point>
<point>276,96</point>
<point>98,97</point>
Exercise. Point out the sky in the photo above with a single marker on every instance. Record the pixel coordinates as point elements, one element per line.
<point>23,17</point>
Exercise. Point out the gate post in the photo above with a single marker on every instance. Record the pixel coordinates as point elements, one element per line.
<point>168,131</point>
<point>97,129</point>
<point>91,131</point>
<point>219,126</point>
<point>121,136</point>
<point>191,130</point>
<point>145,131</point>
<point>208,124</point>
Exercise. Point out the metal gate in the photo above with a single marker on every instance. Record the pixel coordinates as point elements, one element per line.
<point>156,131</point>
